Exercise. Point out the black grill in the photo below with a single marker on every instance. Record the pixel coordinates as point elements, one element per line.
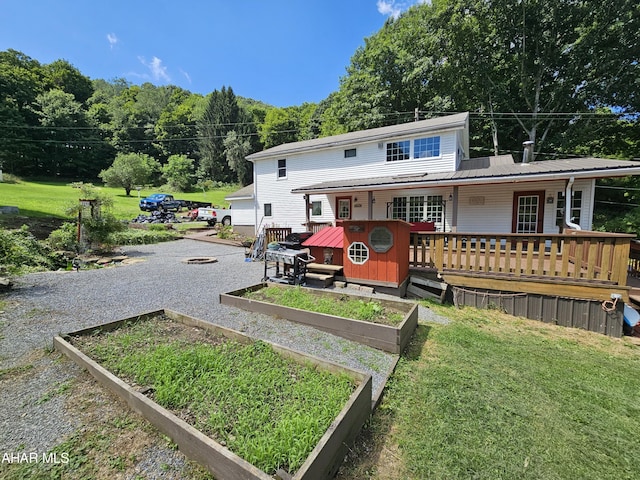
<point>294,240</point>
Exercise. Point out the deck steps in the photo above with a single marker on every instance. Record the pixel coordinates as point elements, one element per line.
<point>421,287</point>
<point>321,274</point>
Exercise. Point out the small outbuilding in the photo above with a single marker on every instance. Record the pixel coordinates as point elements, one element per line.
<point>375,253</point>
<point>326,245</point>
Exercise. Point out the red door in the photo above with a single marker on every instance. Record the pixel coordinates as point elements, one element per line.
<point>528,212</point>
<point>343,208</point>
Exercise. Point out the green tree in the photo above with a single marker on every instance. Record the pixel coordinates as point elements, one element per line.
<point>222,114</point>
<point>21,81</point>
<point>71,147</point>
<point>280,126</point>
<point>176,129</point>
<point>179,173</point>
<point>236,149</point>
<point>129,170</point>
<point>61,75</point>
<point>521,65</point>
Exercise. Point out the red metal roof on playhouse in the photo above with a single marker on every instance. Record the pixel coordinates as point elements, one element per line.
<point>328,237</point>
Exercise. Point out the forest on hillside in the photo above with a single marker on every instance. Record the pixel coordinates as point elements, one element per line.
<point>562,73</point>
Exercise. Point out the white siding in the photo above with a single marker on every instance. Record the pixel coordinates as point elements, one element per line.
<point>243,212</point>
<point>315,167</point>
<point>489,208</point>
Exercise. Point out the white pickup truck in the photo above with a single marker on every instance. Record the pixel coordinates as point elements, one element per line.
<point>214,215</point>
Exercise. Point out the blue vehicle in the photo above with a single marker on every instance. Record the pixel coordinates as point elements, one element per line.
<point>160,201</point>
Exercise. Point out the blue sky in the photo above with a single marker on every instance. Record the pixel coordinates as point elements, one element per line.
<point>282,52</point>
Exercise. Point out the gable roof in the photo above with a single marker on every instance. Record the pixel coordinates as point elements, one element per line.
<point>245,193</point>
<point>431,126</point>
<point>487,170</point>
<point>328,237</point>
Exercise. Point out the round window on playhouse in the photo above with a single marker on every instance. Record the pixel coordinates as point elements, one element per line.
<point>381,239</point>
<point>358,253</point>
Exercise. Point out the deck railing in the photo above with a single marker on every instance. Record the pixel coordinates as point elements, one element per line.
<point>577,255</point>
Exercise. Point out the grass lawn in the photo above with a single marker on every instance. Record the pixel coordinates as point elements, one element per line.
<point>490,396</point>
<point>50,199</point>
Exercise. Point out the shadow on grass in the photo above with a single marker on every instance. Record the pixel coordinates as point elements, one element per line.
<point>26,214</point>
<point>375,453</point>
<point>417,342</point>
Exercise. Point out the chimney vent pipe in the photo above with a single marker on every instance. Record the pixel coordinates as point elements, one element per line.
<point>527,155</point>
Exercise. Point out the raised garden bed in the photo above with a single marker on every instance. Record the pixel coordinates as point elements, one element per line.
<point>390,338</point>
<point>145,352</point>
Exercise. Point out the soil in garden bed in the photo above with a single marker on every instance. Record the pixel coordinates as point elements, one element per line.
<point>269,410</point>
<point>344,306</point>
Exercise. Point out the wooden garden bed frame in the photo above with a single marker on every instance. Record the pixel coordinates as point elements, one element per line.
<point>322,463</point>
<point>391,339</point>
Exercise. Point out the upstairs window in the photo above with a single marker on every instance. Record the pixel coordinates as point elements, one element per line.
<point>349,153</point>
<point>426,147</point>
<point>282,168</point>
<point>398,150</point>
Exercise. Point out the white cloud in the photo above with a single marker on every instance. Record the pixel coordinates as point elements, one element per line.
<point>112,39</point>
<point>157,70</point>
<point>389,8</point>
<point>186,75</point>
<point>394,8</point>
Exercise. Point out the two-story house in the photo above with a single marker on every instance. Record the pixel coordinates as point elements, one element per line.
<point>418,172</point>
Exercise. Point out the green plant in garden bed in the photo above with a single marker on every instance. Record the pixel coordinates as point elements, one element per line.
<point>345,306</point>
<point>269,410</point>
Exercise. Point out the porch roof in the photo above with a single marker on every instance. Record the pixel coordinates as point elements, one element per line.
<point>486,170</point>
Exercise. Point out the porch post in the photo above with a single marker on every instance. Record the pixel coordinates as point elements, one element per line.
<point>454,210</point>
<point>370,203</point>
<point>307,207</point>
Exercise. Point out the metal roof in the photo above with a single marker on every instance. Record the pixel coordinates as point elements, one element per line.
<point>432,125</point>
<point>487,170</point>
<point>328,237</point>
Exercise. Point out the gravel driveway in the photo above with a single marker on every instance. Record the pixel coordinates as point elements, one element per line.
<point>34,412</point>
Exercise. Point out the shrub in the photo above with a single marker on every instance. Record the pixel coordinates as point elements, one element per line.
<point>21,252</point>
<point>134,236</point>
<point>64,238</point>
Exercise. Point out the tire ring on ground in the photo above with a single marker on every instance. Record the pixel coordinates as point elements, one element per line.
<point>200,260</point>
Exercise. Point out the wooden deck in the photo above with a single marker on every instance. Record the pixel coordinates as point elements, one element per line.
<point>577,264</point>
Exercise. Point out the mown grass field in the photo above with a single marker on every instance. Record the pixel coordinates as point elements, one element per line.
<point>51,199</point>
<point>491,396</point>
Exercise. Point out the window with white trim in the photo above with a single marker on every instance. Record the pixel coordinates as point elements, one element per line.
<point>426,147</point>
<point>576,208</point>
<point>399,208</point>
<point>358,253</point>
<point>282,168</point>
<point>398,150</point>
<point>418,208</point>
<point>433,208</point>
